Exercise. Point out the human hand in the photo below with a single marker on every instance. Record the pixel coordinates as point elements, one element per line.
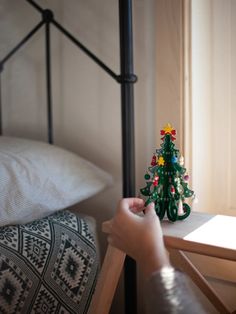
<point>139,236</point>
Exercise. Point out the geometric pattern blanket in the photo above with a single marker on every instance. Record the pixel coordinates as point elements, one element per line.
<point>48,266</point>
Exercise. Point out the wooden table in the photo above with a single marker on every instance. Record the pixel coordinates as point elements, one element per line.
<point>211,235</point>
<point>205,234</point>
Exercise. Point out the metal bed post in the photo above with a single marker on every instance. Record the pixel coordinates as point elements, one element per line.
<point>128,145</point>
<point>48,17</point>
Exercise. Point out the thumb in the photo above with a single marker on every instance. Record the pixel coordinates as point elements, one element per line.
<point>150,209</point>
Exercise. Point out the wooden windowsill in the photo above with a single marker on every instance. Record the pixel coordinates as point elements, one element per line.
<point>201,233</point>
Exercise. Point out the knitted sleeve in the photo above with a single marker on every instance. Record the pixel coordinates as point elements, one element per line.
<point>168,292</point>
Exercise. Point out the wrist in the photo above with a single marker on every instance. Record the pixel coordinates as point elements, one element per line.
<point>153,261</point>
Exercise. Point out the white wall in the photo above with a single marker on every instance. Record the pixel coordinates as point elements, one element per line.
<point>213,104</point>
<point>201,102</point>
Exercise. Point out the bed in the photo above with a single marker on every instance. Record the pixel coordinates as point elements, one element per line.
<point>41,237</point>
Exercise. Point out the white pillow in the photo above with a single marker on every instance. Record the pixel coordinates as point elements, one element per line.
<point>37,179</point>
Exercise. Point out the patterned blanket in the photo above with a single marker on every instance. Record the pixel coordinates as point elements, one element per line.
<point>48,266</point>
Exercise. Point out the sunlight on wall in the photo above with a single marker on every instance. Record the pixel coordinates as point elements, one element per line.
<point>213,56</point>
<point>209,233</point>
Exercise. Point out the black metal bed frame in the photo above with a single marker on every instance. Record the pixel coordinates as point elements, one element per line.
<point>126,79</point>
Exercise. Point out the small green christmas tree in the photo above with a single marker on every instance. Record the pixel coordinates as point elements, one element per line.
<point>167,181</point>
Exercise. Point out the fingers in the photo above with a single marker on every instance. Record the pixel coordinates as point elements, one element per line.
<point>150,209</point>
<point>133,204</point>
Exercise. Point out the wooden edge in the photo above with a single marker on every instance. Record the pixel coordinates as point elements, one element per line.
<point>107,281</point>
<point>184,263</point>
<point>199,248</point>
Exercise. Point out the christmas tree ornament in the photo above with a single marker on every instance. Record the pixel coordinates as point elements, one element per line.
<point>147,176</point>
<point>186,177</point>
<point>181,160</point>
<point>166,180</point>
<point>180,208</point>
<point>154,160</point>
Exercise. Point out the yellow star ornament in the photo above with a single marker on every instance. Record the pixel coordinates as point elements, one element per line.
<point>168,128</point>
<point>161,161</point>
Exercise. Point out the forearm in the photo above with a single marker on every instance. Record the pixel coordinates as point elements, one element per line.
<point>153,260</point>
<point>168,292</point>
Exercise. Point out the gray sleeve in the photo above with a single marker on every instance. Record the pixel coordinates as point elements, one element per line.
<point>168,292</point>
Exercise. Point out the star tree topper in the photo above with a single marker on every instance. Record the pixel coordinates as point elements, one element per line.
<point>167,181</point>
